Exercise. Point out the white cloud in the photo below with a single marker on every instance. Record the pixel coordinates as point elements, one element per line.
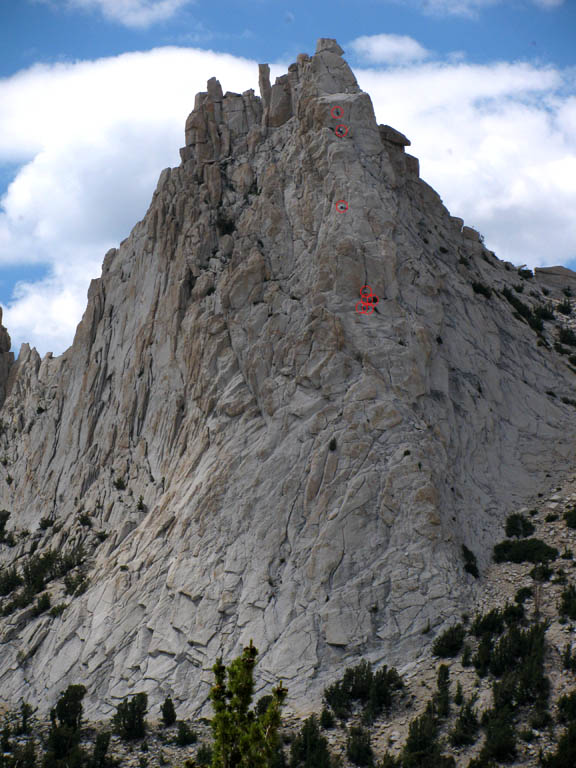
<point>133,13</point>
<point>468,8</point>
<point>394,49</point>
<point>91,138</point>
<point>498,142</point>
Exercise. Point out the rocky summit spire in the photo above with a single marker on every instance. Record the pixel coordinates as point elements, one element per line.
<point>297,390</point>
<point>6,359</point>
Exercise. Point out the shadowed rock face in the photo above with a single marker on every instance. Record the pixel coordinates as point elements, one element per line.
<point>309,474</point>
<point>6,359</point>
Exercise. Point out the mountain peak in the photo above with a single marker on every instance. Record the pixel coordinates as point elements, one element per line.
<point>299,387</point>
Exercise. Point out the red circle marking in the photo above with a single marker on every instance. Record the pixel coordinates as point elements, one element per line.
<point>340,112</point>
<point>344,203</point>
<point>340,133</point>
<point>365,291</point>
<point>365,309</point>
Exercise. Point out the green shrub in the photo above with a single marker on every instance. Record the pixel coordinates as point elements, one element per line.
<point>518,657</point>
<point>185,735</point>
<point>204,755</point>
<point>129,721</point>
<point>525,273</point>
<point>449,644</point>
<point>45,522</point>
<point>561,577</point>
<point>465,731</point>
<point>545,311</point>
<point>309,748</point>
<point>459,695</point>
<point>24,727</point>
<point>140,506</point>
<point>470,564</point>
<point>550,517</point>
<point>384,684</point>
<point>500,744</point>
<point>327,719</point>
<point>523,594</point>
<point>85,520</point>
<point>570,517</point>
<point>120,484</point>
<point>482,657</point>
<point>76,584</point>
<point>42,604</point>
<point>421,749</point>
<point>168,712</point>
<point>58,610</point>
<point>358,747</point>
<point>565,307</point>
<point>514,614</point>
<point>568,603</point>
<point>491,623</point>
<point>389,761</point>
<point>565,755</point>
<point>518,526</point>
<point>519,306</point>
<point>99,756</point>
<point>374,691</point>
<point>4,517</point>
<point>567,336</point>
<point>541,572</point>
<point>567,708</point>
<point>481,288</point>
<point>9,580</point>
<point>568,660</point>
<point>5,743</point>
<point>524,550</point>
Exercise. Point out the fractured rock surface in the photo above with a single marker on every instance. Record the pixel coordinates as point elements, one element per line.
<point>308,474</point>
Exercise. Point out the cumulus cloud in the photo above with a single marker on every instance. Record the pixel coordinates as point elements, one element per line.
<point>395,49</point>
<point>90,139</point>
<point>132,13</point>
<point>498,142</point>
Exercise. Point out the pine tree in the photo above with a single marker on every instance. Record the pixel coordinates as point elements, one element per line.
<point>26,712</point>
<point>242,737</point>
<point>310,748</point>
<point>129,719</point>
<point>62,748</point>
<point>168,712</point>
<point>442,698</point>
<point>99,757</point>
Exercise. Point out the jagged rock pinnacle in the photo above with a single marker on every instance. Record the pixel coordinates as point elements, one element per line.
<point>308,474</point>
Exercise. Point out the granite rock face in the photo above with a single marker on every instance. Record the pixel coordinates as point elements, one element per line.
<point>266,461</point>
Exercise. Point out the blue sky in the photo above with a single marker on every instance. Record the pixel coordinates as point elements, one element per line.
<point>94,95</point>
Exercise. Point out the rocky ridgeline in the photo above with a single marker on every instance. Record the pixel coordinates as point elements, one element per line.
<point>229,450</point>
